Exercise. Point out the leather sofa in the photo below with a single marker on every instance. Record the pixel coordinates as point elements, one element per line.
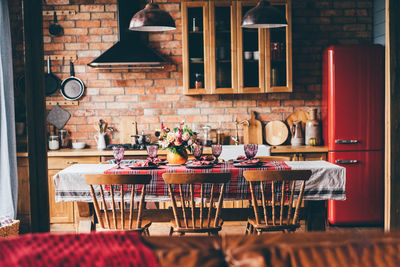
<point>129,249</point>
<point>299,249</point>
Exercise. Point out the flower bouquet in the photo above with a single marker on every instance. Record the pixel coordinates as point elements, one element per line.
<point>177,141</point>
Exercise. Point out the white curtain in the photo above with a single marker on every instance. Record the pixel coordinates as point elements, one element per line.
<point>8,159</point>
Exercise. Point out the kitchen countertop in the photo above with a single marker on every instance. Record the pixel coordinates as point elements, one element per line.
<point>94,152</point>
<point>299,149</point>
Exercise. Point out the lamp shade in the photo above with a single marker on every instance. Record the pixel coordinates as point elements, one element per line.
<point>152,19</point>
<point>263,15</point>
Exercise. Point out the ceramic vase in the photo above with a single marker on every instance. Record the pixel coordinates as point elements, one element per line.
<point>176,158</point>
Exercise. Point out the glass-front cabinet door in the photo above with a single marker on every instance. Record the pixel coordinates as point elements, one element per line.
<point>223,56</point>
<point>195,16</point>
<point>250,53</point>
<point>279,54</point>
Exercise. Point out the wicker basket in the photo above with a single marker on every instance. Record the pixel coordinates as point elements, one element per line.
<point>10,230</point>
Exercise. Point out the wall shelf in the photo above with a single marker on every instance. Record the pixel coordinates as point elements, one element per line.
<point>62,103</point>
<point>61,57</point>
<point>58,12</point>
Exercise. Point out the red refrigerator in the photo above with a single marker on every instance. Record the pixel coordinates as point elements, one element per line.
<point>353,129</point>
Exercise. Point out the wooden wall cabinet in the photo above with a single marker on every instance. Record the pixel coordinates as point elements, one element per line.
<point>229,59</point>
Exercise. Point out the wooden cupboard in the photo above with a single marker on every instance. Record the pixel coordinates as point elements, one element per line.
<point>23,205</point>
<point>221,57</point>
<point>63,212</point>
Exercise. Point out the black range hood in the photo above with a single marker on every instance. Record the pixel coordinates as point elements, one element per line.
<point>129,52</point>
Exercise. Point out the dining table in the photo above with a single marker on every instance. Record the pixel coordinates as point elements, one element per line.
<point>327,182</point>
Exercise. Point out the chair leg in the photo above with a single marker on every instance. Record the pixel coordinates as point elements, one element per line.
<point>247,228</point>
<point>147,231</point>
<point>171,231</point>
<point>251,229</point>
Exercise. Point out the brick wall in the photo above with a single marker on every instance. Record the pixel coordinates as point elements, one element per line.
<point>154,96</point>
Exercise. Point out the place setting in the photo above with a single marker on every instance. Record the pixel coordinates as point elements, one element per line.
<point>152,162</point>
<point>204,162</point>
<point>248,161</point>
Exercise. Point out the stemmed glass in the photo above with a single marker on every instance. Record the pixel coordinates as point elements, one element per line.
<point>152,151</point>
<point>118,153</point>
<point>216,151</point>
<point>250,150</point>
<point>197,150</point>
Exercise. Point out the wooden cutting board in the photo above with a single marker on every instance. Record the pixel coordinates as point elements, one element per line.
<point>127,127</point>
<point>252,134</point>
<point>297,116</point>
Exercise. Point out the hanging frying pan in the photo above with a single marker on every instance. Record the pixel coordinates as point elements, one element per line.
<point>52,82</point>
<point>72,88</point>
<point>55,29</point>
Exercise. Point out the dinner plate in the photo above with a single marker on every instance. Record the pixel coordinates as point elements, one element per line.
<point>196,59</point>
<point>238,160</point>
<point>162,162</point>
<point>142,167</point>
<point>239,165</point>
<point>189,166</point>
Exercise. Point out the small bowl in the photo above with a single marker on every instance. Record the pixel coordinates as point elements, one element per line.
<point>78,145</point>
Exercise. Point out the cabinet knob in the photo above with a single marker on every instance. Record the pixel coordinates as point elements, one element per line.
<point>72,162</point>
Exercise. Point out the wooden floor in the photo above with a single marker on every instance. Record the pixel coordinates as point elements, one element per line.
<point>229,228</point>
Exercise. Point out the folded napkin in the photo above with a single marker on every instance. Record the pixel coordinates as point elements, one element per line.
<point>124,161</point>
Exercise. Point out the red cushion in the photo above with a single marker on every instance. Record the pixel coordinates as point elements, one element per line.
<point>95,249</point>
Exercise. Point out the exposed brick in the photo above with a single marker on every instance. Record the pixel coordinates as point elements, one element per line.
<point>76,46</point>
<point>107,15</point>
<point>88,23</point>
<point>76,31</point>
<point>100,31</point>
<point>92,8</point>
<point>152,96</point>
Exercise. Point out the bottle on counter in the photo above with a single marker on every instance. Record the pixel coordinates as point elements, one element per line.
<point>206,136</point>
<point>220,135</point>
<point>54,143</point>
<point>313,129</point>
<point>64,140</point>
<point>198,81</point>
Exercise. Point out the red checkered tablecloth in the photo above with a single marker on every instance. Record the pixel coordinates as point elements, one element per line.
<point>236,188</point>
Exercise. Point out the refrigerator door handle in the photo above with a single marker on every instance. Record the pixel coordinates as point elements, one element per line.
<point>344,141</point>
<point>346,161</point>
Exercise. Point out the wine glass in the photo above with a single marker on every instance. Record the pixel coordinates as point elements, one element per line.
<point>250,150</point>
<point>152,151</point>
<point>197,150</point>
<point>216,151</point>
<point>118,153</point>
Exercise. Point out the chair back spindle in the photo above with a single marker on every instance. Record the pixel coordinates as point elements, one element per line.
<point>123,183</point>
<point>200,217</point>
<point>282,201</point>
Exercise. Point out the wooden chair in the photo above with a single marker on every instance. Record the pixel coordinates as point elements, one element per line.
<point>126,220</point>
<point>286,220</point>
<point>273,158</point>
<point>206,218</point>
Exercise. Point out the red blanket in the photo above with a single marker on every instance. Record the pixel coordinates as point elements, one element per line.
<point>96,249</point>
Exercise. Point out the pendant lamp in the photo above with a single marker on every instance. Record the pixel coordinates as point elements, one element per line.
<point>152,19</point>
<point>264,15</point>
